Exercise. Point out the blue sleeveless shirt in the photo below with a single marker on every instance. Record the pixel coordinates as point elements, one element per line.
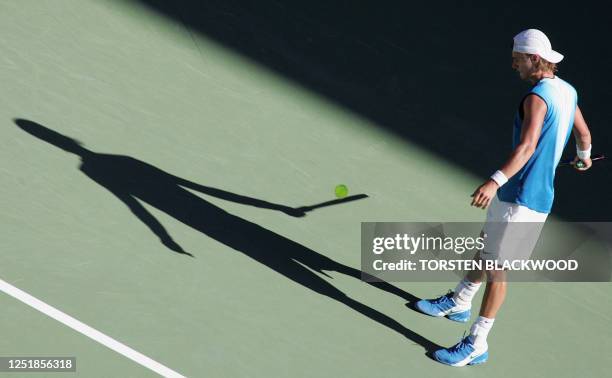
<point>532,186</point>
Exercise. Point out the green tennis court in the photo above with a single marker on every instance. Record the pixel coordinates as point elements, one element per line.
<point>222,146</point>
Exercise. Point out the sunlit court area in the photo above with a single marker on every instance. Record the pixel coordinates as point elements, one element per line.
<point>187,185</point>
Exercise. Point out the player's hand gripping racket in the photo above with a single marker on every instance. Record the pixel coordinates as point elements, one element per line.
<point>579,164</point>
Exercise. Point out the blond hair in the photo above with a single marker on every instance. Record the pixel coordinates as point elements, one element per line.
<point>544,65</point>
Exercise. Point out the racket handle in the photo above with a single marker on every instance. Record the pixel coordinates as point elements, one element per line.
<point>594,158</point>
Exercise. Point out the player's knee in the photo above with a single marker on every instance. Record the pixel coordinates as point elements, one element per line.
<point>496,275</point>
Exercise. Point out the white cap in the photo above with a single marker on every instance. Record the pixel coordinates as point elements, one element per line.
<point>533,41</point>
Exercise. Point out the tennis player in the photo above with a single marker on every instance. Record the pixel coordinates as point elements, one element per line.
<point>524,188</point>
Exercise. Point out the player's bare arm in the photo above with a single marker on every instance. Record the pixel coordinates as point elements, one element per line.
<point>583,139</point>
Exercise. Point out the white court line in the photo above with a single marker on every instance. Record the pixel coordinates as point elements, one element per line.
<point>87,330</point>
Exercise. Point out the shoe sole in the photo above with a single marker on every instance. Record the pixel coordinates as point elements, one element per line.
<point>454,317</point>
<point>480,359</point>
<point>459,317</point>
<point>476,361</point>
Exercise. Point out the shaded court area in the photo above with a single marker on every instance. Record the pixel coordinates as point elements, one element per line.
<point>169,174</point>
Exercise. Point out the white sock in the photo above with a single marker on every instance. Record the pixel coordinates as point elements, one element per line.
<point>465,291</point>
<point>479,331</point>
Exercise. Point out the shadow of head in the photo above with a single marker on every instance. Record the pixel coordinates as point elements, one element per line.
<point>53,137</point>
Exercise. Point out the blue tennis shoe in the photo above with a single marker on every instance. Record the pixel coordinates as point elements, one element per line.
<point>462,353</point>
<point>444,306</point>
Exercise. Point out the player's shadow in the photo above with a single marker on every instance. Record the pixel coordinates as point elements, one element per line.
<point>132,180</point>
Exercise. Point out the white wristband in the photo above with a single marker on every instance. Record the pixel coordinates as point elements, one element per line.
<point>499,177</point>
<point>583,154</point>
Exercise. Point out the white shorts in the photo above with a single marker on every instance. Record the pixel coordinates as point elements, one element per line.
<point>511,231</point>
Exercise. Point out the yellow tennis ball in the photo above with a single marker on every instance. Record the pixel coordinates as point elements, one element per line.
<point>341,191</point>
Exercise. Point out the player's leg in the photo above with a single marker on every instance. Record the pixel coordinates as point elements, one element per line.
<point>467,351</point>
<point>457,305</point>
<point>473,349</point>
<point>494,295</point>
<point>511,239</point>
<point>520,237</point>
<point>467,288</point>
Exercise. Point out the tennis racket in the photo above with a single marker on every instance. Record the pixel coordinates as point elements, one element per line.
<point>569,162</point>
